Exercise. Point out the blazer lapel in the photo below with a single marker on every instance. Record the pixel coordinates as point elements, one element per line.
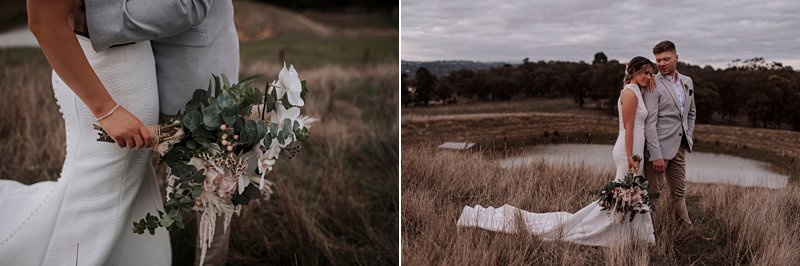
<point>671,91</point>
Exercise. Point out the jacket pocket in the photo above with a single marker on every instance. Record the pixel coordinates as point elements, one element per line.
<point>196,37</point>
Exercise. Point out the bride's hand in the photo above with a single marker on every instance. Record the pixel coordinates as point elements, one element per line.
<point>631,164</point>
<point>651,85</point>
<point>126,130</point>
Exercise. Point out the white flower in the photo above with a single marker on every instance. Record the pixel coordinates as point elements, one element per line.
<point>265,162</point>
<point>279,115</point>
<point>289,82</point>
<point>243,182</point>
<point>274,149</point>
<point>274,85</point>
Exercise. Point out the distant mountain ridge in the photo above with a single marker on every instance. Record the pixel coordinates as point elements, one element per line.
<point>443,68</point>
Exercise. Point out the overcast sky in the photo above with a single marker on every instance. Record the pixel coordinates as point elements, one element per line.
<point>705,32</point>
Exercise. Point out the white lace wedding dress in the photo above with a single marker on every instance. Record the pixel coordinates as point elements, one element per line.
<point>590,225</point>
<point>86,217</point>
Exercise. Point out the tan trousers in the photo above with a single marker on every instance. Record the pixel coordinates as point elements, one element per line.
<point>675,175</point>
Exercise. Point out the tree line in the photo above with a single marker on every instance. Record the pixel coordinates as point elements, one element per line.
<point>768,94</point>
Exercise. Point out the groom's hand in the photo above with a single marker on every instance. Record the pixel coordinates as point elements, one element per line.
<point>659,166</point>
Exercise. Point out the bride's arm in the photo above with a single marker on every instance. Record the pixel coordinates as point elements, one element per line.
<point>47,19</point>
<point>629,104</point>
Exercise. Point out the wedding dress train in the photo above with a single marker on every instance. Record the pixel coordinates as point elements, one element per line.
<point>86,217</point>
<point>590,225</point>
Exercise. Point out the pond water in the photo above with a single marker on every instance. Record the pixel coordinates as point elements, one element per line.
<point>701,167</point>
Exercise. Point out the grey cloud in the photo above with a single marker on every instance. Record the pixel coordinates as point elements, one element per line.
<point>706,32</point>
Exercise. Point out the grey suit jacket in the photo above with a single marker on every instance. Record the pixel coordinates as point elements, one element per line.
<point>191,40</point>
<point>666,125</point>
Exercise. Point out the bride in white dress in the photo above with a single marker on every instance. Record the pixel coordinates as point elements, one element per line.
<point>590,225</point>
<point>86,217</point>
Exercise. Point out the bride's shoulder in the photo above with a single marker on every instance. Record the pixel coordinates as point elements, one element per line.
<point>632,87</point>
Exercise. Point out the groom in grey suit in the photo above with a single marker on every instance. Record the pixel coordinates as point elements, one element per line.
<point>669,130</point>
<point>191,40</point>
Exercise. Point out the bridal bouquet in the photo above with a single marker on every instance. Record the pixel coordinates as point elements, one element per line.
<point>627,197</point>
<point>219,149</point>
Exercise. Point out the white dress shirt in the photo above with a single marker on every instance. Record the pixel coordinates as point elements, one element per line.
<point>677,86</point>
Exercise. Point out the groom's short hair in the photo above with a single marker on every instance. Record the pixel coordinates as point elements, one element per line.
<point>664,46</point>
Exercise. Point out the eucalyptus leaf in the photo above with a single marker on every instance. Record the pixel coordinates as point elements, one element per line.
<point>217,86</point>
<point>210,86</point>
<point>211,117</point>
<point>180,224</point>
<point>249,98</point>
<point>288,125</point>
<point>286,103</point>
<point>273,130</point>
<point>226,101</point>
<point>185,200</point>
<point>194,104</point>
<point>301,134</point>
<point>173,156</point>
<point>191,120</point>
<point>182,170</point>
<point>286,131</point>
<point>166,221</point>
<point>249,133</point>
<point>198,176</point>
<point>200,95</point>
<point>229,116</point>
<point>262,128</point>
<point>271,99</point>
<point>239,124</point>
<point>225,80</point>
<point>202,132</point>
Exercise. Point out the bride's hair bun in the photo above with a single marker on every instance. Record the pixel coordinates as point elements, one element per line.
<point>636,65</point>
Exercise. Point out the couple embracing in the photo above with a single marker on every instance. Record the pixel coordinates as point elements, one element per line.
<point>656,119</point>
<point>120,64</point>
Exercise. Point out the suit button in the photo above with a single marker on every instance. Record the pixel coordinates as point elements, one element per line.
<point>680,134</point>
